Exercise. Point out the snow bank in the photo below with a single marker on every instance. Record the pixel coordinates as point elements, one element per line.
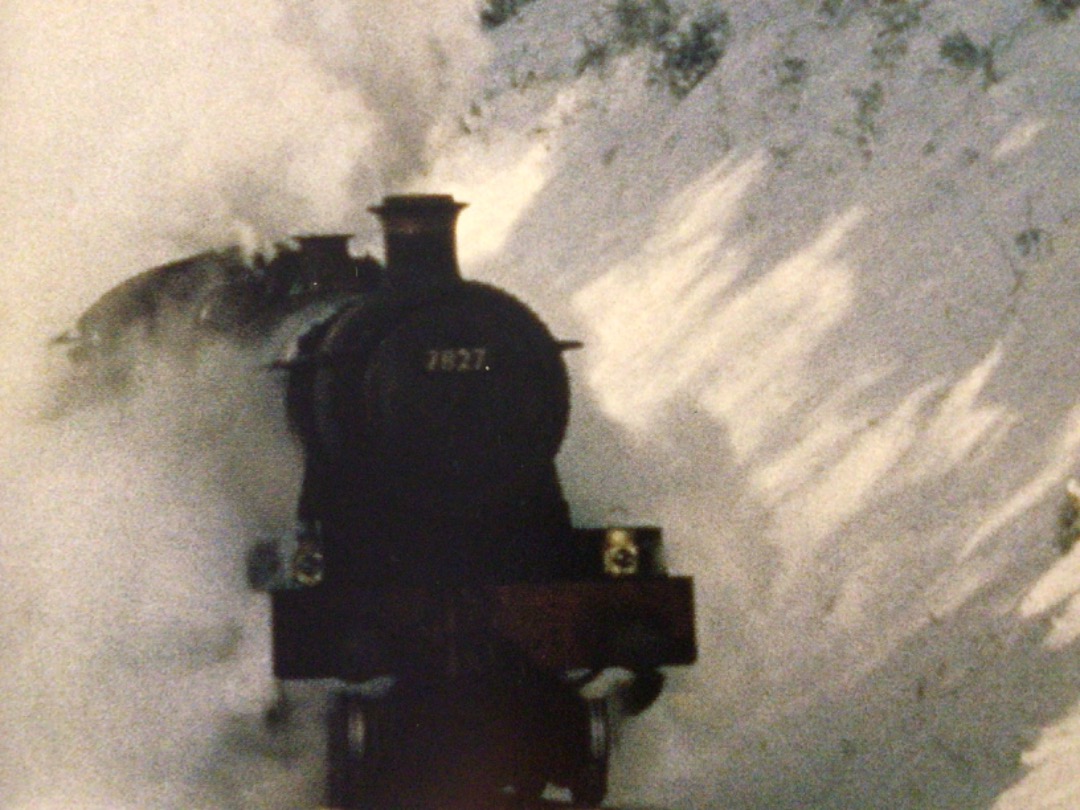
<point>828,302</point>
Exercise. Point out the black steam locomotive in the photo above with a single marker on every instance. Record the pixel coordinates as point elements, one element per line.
<point>434,573</point>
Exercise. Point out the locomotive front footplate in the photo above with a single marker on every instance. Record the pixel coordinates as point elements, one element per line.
<point>484,696</point>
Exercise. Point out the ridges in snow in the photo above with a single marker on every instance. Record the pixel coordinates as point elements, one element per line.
<point>828,301</point>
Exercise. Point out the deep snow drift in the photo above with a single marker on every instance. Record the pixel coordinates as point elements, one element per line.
<point>827,299</point>
<point>827,295</point>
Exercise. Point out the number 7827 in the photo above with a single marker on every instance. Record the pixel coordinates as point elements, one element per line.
<point>457,360</point>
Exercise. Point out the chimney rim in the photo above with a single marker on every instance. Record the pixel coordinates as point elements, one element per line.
<point>417,203</point>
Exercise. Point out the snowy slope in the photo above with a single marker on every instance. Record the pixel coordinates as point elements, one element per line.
<point>827,297</point>
<point>828,300</point>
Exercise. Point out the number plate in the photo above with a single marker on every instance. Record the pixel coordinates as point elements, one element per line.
<point>458,360</point>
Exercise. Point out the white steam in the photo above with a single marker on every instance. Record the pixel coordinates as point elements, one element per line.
<point>134,659</point>
<point>141,131</point>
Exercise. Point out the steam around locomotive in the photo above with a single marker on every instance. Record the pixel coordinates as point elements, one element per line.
<point>434,573</point>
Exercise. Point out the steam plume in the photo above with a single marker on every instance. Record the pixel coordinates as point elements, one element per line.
<point>134,667</point>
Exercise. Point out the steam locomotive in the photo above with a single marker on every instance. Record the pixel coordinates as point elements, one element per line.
<point>434,573</point>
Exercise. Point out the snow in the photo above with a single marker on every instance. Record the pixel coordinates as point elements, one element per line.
<point>828,300</point>
<point>828,316</point>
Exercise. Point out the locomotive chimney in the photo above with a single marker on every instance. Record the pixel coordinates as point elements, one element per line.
<point>419,235</point>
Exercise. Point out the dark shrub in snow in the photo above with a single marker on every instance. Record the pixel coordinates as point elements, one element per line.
<point>688,54</point>
<point>496,12</point>
<point>684,48</point>
<point>1058,10</point>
